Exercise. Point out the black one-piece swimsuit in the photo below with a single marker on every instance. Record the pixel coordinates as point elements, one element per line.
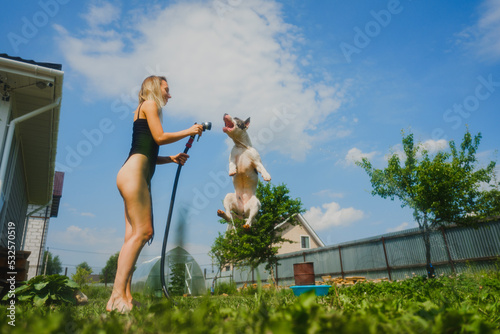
<point>144,143</point>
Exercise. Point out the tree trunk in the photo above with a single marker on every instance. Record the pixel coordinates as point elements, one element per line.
<point>426,234</point>
<point>273,279</point>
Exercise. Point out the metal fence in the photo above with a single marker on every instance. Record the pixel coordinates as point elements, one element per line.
<point>394,256</point>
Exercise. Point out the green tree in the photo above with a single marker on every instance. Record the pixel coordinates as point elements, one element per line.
<point>491,199</point>
<point>443,189</point>
<point>85,266</point>
<point>261,242</point>
<point>109,271</point>
<point>177,280</point>
<point>54,265</point>
<point>82,276</point>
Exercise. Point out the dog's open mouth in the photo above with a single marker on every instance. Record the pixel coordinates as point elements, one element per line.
<point>228,122</point>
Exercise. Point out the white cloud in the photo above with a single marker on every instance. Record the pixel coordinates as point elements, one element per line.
<point>398,150</point>
<point>431,146</point>
<point>355,154</point>
<point>331,215</point>
<point>244,62</point>
<point>75,211</point>
<point>342,133</point>
<point>489,29</point>
<point>403,226</point>
<point>76,236</point>
<point>328,193</point>
<point>434,146</point>
<point>103,14</point>
<point>484,36</point>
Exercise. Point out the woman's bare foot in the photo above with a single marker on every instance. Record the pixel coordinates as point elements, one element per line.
<point>118,304</point>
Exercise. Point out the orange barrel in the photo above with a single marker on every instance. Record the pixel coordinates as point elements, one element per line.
<point>304,273</point>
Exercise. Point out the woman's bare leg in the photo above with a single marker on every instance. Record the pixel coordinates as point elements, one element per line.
<point>128,290</point>
<point>136,196</point>
<point>128,235</point>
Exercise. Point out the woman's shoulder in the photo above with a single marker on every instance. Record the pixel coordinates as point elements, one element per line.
<point>150,105</point>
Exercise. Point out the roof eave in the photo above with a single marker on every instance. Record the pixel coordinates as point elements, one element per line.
<point>54,76</point>
<point>306,225</point>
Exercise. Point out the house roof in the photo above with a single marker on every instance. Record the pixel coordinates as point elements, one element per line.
<point>48,65</point>
<point>29,86</point>
<point>57,194</point>
<point>307,227</point>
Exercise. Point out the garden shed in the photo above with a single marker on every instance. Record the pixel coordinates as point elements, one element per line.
<point>183,275</point>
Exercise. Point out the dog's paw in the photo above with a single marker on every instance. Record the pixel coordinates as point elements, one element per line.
<point>266,177</point>
<point>232,172</point>
<point>246,226</point>
<point>221,213</point>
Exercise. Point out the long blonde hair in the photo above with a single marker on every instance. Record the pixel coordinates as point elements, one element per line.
<point>151,90</point>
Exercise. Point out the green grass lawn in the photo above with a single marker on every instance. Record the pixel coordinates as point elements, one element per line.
<point>466,303</point>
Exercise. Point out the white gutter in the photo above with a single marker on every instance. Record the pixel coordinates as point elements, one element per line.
<point>10,136</point>
<point>31,70</point>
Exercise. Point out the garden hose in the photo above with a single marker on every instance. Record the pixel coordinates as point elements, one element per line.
<point>206,126</point>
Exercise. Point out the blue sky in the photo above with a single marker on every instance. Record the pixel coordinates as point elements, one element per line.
<point>324,82</point>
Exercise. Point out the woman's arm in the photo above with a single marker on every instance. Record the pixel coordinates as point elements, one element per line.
<point>161,138</point>
<point>180,158</point>
<point>163,160</point>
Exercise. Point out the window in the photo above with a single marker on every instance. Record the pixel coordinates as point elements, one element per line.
<point>304,241</point>
<point>228,268</point>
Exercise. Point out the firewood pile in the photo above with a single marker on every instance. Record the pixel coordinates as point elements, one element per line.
<point>327,280</point>
<point>347,281</point>
<point>255,286</point>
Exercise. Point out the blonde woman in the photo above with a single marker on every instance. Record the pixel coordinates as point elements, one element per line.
<point>134,182</point>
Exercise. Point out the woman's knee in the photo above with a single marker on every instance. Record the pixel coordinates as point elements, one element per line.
<point>145,234</point>
<point>148,235</point>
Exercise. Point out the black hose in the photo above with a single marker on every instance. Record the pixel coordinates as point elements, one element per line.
<point>169,218</point>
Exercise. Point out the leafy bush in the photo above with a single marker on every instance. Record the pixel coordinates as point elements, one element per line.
<point>47,290</point>
<point>96,292</point>
<point>227,288</point>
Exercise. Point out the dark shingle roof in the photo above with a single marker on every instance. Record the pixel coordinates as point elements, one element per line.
<point>48,65</point>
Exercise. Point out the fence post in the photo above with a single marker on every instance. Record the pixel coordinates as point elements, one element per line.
<point>277,277</point>
<point>386,261</point>
<point>341,266</point>
<point>450,260</point>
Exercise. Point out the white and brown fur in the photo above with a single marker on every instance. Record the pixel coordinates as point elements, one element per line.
<point>244,166</point>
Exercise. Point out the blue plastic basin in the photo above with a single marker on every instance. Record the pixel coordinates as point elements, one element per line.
<point>319,290</point>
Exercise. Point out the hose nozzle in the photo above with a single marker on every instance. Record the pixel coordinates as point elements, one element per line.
<point>207,126</point>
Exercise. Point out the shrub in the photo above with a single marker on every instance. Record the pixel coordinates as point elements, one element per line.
<point>46,290</point>
<point>227,288</point>
<point>82,276</point>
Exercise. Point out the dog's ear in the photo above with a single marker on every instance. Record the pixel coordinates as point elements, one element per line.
<point>247,122</point>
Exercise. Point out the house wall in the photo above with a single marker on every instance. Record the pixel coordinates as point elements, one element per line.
<point>5,109</point>
<point>294,233</point>
<point>16,198</point>
<point>36,239</point>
